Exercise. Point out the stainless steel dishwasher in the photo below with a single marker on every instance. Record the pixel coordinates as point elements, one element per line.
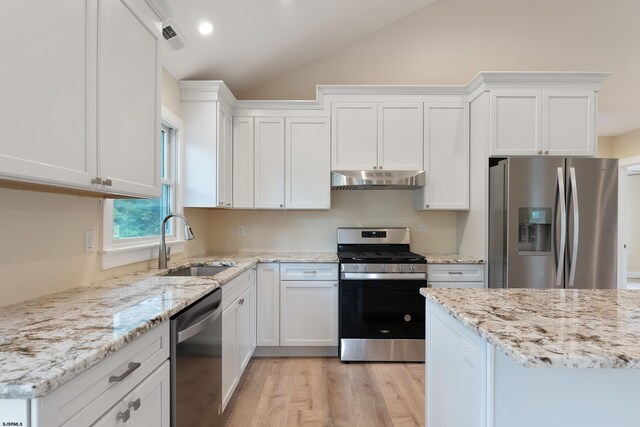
<point>196,364</point>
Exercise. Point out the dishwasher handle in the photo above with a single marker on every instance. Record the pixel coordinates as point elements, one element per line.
<point>200,326</point>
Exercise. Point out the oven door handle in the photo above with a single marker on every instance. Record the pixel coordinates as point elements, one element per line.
<point>383,276</point>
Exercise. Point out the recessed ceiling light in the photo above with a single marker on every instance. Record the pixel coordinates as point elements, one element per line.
<point>205,28</point>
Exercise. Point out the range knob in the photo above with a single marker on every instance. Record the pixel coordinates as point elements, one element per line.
<point>413,268</point>
<point>383,267</point>
<point>355,267</point>
<point>400,267</point>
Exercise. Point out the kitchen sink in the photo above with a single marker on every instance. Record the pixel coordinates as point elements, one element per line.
<point>204,270</point>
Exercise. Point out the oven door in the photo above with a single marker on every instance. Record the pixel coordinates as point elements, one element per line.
<point>381,308</point>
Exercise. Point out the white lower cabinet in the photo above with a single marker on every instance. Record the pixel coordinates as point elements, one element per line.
<point>146,405</point>
<point>238,330</point>
<point>129,388</point>
<point>455,276</point>
<point>268,304</point>
<point>297,304</point>
<point>308,313</point>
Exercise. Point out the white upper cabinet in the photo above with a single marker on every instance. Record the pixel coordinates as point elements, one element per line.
<point>128,101</point>
<point>43,115</point>
<point>307,163</point>
<point>568,125</point>
<point>446,157</point>
<point>91,121</point>
<point>207,152</point>
<point>542,122</point>
<point>354,143</point>
<point>400,139</point>
<point>372,136</point>
<point>269,163</point>
<point>243,162</point>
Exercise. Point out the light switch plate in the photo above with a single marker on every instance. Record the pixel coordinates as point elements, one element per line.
<point>89,241</point>
<point>422,229</point>
<point>241,230</point>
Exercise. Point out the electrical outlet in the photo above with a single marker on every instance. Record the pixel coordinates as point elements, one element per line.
<point>89,242</point>
<point>422,229</point>
<point>241,230</point>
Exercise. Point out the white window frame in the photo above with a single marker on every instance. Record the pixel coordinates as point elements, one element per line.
<point>117,253</point>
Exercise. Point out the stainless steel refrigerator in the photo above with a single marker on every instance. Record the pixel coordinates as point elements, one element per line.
<point>553,223</point>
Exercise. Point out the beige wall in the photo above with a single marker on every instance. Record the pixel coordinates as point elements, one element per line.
<point>626,145</point>
<point>171,93</point>
<point>605,149</point>
<point>308,231</point>
<point>449,41</point>
<point>633,225</point>
<point>42,246</point>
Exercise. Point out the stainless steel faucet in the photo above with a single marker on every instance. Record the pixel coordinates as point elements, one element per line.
<point>163,256</point>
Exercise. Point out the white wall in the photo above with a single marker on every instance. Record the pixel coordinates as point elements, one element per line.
<point>633,225</point>
<point>308,231</point>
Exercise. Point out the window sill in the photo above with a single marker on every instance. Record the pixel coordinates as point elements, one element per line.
<point>117,257</point>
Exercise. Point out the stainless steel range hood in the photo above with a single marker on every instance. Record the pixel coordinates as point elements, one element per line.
<point>377,180</point>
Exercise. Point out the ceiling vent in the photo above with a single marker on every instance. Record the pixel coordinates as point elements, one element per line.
<point>173,35</point>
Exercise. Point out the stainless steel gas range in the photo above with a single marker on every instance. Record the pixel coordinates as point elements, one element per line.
<point>381,314</point>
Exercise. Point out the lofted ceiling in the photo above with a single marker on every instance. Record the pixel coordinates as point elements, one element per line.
<point>256,40</point>
<point>282,49</point>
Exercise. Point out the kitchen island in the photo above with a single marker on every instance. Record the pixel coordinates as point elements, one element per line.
<point>504,358</point>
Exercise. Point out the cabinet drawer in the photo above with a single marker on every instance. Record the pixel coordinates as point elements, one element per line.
<point>455,273</point>
<point>102,386</point>
<point>304,271</point>
<point>232,290</point>
<point>459,285</point>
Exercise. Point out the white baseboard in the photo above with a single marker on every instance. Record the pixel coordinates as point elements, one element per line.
<point>296,352</point>
<point>633,274</point>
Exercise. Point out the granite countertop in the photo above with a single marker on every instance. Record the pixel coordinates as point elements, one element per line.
<point>452,259</point>
<point>553,328</point>
<point>48,341</point>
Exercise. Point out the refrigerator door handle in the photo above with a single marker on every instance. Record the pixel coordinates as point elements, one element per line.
<point>560,196</point>
<point>576,224</point>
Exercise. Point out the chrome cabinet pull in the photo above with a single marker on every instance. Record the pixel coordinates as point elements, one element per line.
<point>135,404</point>
<point>96,180</point>
<point>540,152</point>
<point>546,152</point>
<point>107,182</point>
<point>455,272</point>
<point>117,378</point>
<point>310,272</point>
<point>241,301</point>
<point>375,167</point>
<point>124,416</point>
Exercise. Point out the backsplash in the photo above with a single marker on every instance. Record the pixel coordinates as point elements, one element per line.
<point>309,231</point>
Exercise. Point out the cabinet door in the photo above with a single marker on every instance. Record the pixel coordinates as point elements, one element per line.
<point>229,352</point>
<point>113,417</point>
<point>446,158</point>
<point>354,139</point>
<point>128,100</point>
<point>268,305</point>
<point>400,139</point>
<point>224,156</point>
<point>516,123</point>
<point>149,403</point>
<point>568,123</point>
<point>43,85</point>
<point>200,153</point>
<point>243,162</point>
<point>308,313</point>
<point>269,163</point>
<point>308,163</point>
<point>245,328</point>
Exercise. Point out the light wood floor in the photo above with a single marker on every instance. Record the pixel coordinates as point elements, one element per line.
<point>325,392</point>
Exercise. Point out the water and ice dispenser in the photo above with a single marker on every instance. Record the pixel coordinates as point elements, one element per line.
<point>534,227</point>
